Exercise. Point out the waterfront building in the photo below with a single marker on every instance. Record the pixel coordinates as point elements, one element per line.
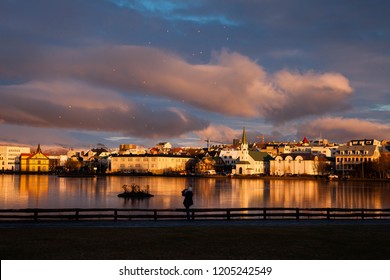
<point>9,157</point>
<point>353,157</point>
<point>296,164</point>
<point>251,162</point>
<point>156,164</point>
<point>34,162</point>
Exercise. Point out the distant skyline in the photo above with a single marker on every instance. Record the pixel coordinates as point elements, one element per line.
<point>80,72</point>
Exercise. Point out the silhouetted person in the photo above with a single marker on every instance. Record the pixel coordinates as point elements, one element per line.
<point>187,193</point>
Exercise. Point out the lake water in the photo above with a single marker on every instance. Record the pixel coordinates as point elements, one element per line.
<point>47,191</point>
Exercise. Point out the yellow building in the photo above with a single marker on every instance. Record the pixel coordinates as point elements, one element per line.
<point>34,162</point>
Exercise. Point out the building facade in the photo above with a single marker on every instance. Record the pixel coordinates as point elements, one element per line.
<point>156,164</point>
<point>351,159</point>
<point>251,162</point>
<point>34,162</point>
<point>9,157</point>
<point>299,164</point>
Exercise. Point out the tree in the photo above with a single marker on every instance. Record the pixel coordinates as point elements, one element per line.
<point>321,165</point>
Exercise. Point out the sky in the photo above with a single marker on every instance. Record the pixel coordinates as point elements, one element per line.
<point>77,73</point>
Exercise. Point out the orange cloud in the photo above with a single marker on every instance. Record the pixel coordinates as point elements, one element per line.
<point>345,128</point>
<point>231,84</point>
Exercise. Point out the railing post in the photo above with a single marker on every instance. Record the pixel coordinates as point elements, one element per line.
<point>264,214</point>
<point>362,214</point>
<point>35,215</point>
<point>115,215</point>
<point>228,214</point>
<point>192,214</point>
<point>77,215</point>
<point>297,213</point>
<point>328,214</point>
<point>155,214</point>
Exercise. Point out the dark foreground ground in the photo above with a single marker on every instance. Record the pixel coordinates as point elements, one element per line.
<point>284,240</point>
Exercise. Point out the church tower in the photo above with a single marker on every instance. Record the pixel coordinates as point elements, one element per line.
<point>244,147</point>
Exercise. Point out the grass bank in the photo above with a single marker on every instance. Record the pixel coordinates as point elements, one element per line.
<point>198,242</point>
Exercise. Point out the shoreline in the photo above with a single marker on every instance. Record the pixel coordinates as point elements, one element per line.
<point>259,177</point>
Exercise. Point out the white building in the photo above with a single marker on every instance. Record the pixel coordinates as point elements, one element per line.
<point>156,164</point>
<point>9,157</point>
<point>299,164</point>
<point>164,146</point>
<point>251,162</point>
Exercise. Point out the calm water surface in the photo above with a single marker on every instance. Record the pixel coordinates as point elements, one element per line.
<point>42,191</point>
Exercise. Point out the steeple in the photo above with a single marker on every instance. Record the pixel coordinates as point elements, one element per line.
<point>39,149</point>
<point>243,139</point>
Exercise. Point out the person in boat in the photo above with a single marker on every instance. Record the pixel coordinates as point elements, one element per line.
<point>188,194</point>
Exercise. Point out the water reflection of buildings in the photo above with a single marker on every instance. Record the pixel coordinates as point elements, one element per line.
<point>45,191</point>
<point>288,193</point>
<point>33,187</point>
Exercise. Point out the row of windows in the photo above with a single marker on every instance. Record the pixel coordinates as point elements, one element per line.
<point>289,161</point>
<point>354,152</point>
<point>38,162</point>
<point>346,166</point>
<point>10,163</point>
<point>123,166</point>
<point>358,159</point>
<point>147,159</point>
<point>38,168</point>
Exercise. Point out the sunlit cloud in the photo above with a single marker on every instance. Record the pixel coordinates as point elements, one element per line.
<point>344,129</point>
<point>238,85</point>
<point>218,134</point>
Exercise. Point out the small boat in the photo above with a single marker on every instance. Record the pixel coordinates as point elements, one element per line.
<point>333,177</point>
<point>134,191</point>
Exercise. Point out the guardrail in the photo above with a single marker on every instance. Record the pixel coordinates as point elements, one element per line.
<point>116,214</point>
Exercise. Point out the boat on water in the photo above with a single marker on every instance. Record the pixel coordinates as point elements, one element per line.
<point>333,177</point>
<point>135,191</point>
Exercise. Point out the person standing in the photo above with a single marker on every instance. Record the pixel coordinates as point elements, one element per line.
<point>188,194</point>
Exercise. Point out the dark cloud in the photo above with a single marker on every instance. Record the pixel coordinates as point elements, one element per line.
<point>21,106</point>
<point>278,61</point>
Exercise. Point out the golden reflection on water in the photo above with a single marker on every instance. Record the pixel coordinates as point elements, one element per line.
<point>41,191</point>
